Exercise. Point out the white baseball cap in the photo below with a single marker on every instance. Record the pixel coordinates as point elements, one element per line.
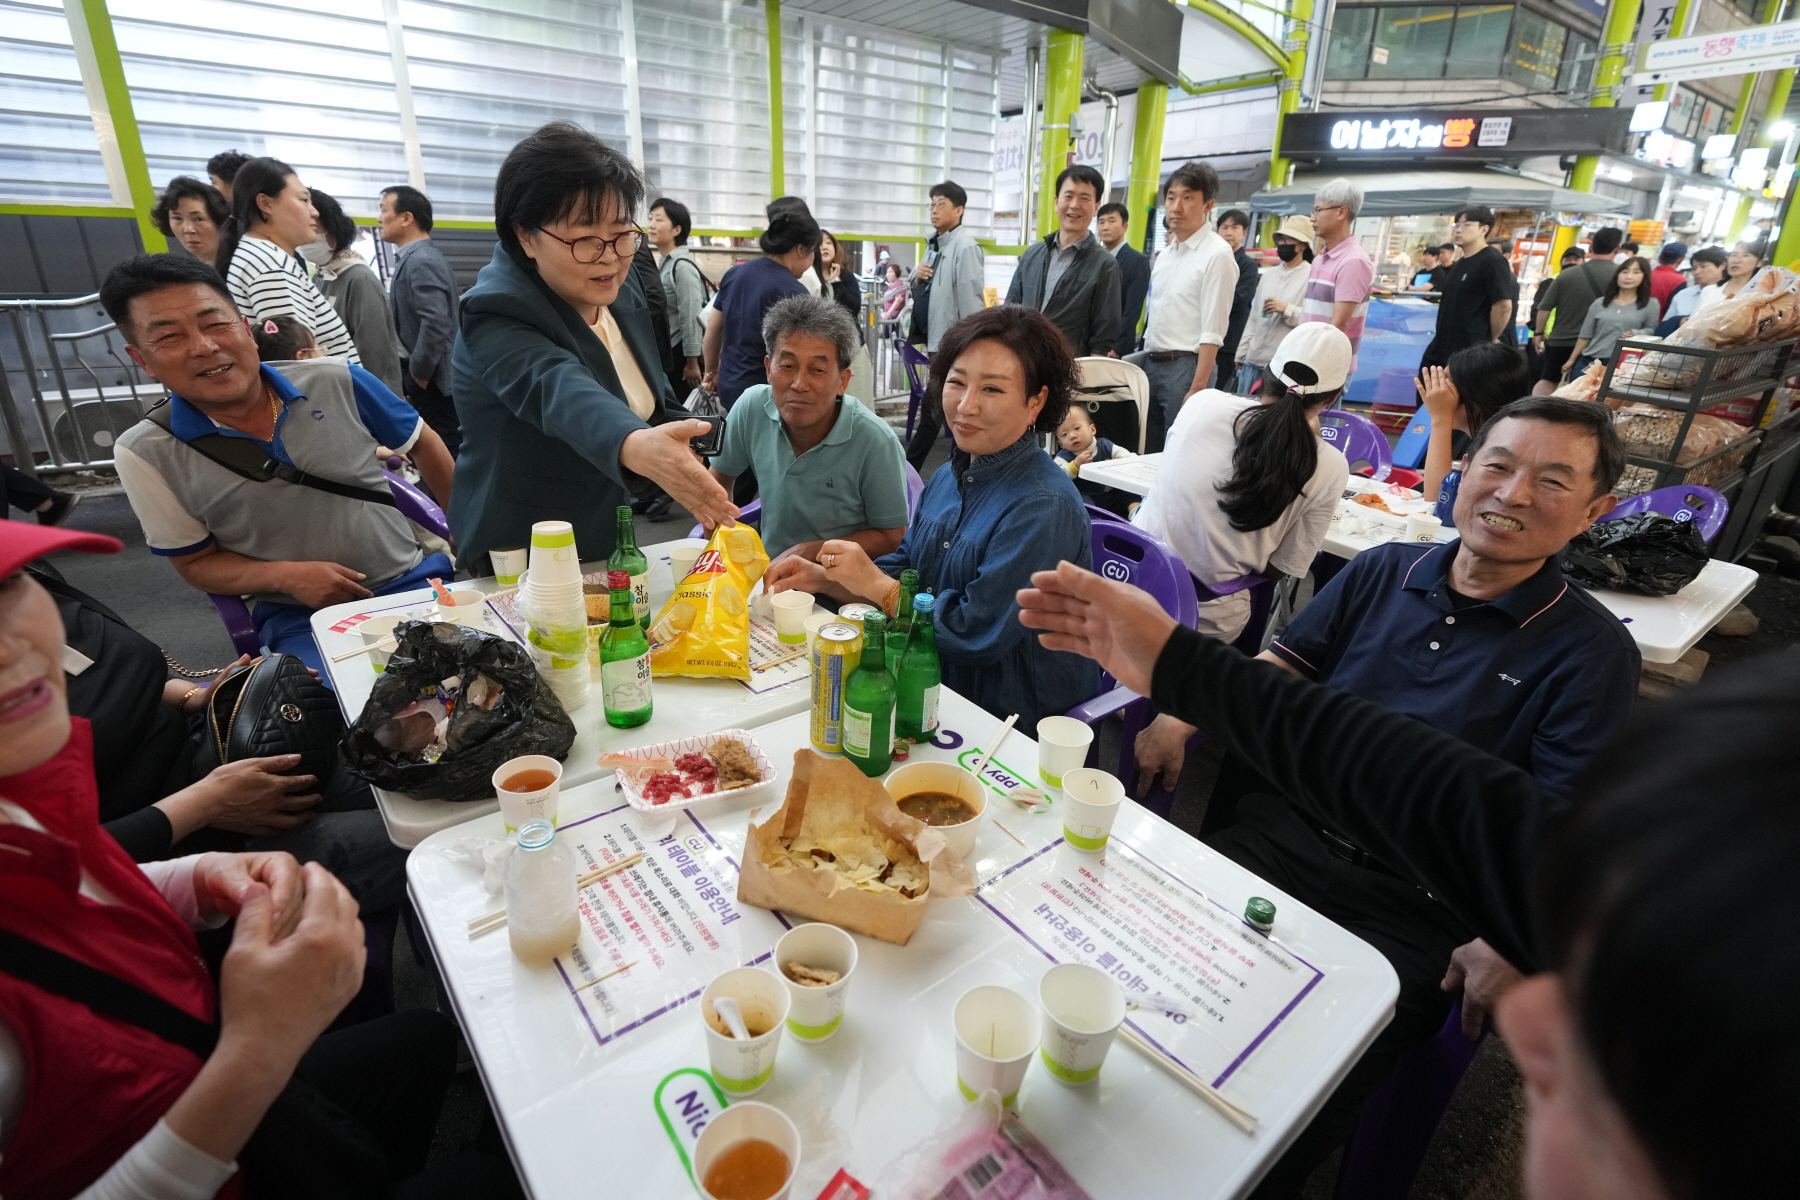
<point>1313,359</point>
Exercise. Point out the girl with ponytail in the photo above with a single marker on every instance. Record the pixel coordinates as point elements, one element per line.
<point>1247,488</point>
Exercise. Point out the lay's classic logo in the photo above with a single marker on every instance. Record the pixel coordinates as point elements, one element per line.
<point>710,562</point>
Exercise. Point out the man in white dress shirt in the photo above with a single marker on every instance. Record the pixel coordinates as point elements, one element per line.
<point>1191,286</point>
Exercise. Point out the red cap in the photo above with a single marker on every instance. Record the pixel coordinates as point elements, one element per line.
<point>618,580</point>
<point>22,541</point>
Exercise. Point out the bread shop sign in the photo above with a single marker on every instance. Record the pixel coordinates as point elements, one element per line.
<point>1490,134</point>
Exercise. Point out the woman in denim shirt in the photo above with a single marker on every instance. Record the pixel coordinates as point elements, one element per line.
<point>999,510</point>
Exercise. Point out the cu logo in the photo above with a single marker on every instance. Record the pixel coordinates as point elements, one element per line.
<point>1112,568</point>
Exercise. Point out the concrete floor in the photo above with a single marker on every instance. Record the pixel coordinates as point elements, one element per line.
<point>1476,1153</point>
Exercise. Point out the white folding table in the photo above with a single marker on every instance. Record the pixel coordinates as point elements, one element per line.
<point>579,1114</point>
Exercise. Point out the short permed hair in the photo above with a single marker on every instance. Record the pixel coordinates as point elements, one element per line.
<point>148,273</point>
<point>812,316</point>
<point>411,200</point>
<point>1033,339</point>
<point>561,172</point>
<point>1596,418</point>
<point>951,191</point>
<point>186,187</point>
<point>678,215</point>
<point>224,165</point>
<point>1195,177</point>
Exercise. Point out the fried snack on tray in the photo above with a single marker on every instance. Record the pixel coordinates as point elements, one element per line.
<point>1371,500</point>
<point>737,766</point>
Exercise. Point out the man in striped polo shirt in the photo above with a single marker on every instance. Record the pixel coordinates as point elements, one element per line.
<point>1342,272</point>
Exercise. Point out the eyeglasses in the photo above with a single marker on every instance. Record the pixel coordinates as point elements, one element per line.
<point>593,249</point>
<point>1322,208</point>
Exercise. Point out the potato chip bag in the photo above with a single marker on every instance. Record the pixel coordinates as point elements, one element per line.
<point>704,629</point>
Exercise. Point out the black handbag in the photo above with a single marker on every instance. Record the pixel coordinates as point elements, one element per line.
<point>271,706</point>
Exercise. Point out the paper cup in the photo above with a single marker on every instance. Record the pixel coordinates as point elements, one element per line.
<point>813,624</point>
<point>682,555</point>
<point>814,1013</point>
<point>1093,804</point>
<point>791,611</point>
<point>1422,527</point>
<point>996,1034</point>
<point>377,629</point>
<point>745,1068</point>
<point>1062,746</point>
<point>553,555</point>
<point>516,808</point>
<point>509,565</point>
<point>743,1121</point>
<point>1083,1008</point>
<point>464,607</point>
<point>944,777</point>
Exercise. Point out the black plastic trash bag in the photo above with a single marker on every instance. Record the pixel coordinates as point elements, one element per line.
<point>1647,553</point>
<point>453,704</point>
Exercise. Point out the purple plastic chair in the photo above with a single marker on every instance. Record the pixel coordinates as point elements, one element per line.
<point>915,487</point>
<point>413,504</point>
<point>1398,1119</point>
<point>1360,440</point>
<point>918,373</point>
<point>1130,555</point>
<point>1684,502</point>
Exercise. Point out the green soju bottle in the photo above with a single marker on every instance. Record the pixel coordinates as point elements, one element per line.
<point>869,703</point>
<point>628,558</point>
<point>903,619</point>
<point>624,659</point>
<point>916,692</point>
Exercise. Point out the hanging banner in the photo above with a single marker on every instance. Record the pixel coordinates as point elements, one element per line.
<point>1738,52</point>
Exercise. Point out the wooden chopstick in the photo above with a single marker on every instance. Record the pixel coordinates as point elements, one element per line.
<point>386,643</point>
<point>1009,833</point>
<point>590,983</point>
<point>1192,1082</point>
<point>1004,730</point>
<point>776,662</point>
<point>488,922</point>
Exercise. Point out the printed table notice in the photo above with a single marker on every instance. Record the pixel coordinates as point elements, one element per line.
<point>1211,989</point>
<point>654,935</point>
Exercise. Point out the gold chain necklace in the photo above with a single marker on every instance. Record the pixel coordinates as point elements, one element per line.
<point>274,409</point>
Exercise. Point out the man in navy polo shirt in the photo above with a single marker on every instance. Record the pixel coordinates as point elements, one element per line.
<point>1483,638</point>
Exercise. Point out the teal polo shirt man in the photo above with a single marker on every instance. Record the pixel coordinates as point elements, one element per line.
<point>826,466</point>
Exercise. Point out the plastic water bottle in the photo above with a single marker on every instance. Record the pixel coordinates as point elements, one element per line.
<point>541,919</point>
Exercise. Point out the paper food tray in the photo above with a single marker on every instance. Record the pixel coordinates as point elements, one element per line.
<point>688,745</point>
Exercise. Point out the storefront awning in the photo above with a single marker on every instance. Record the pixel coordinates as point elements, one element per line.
<point>1413,193</point>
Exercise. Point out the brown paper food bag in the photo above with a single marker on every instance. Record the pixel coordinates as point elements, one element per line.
<point>839,850</point>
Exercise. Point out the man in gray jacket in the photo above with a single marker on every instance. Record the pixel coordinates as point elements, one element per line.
<point>424,295</point>
<point>1069,276</point>
<point>947,287</point>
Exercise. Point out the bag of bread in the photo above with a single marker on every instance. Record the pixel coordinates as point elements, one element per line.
<point>704,629</point>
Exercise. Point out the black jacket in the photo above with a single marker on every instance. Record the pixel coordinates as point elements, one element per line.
<point>1134,286</point>
<point>1085,305</point>
<point>1249,274</point>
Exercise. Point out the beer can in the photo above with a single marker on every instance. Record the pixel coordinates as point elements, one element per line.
<point>836,652</point>
<point>855,611</point>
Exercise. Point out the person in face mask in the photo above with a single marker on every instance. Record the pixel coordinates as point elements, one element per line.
<point>1276,308</point>
<point>272,217</point>
<point>354,290</point>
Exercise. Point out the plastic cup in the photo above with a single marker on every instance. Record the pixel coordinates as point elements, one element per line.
<point>509,565</point>
<point>744,1121</point>
<point>791,611</point>
<point>813,624</point>
<point>1083,1009</point>
<point>554,558</point>
<point>516,808</point>
<point>377,629</point>
<point>996,1034</point>
<point>682,555</point>
<point>743,1068</point>
<point>1093,805</point>
<point>1422,527</point>
<point>816,1012</point>
<point>464,607</point>
<point>944,777</point>
<point>1062,747</point>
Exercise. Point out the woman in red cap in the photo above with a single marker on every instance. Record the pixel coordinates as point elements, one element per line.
<point>122,1069</point>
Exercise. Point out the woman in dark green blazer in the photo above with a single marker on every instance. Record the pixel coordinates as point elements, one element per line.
<point>557,426</point>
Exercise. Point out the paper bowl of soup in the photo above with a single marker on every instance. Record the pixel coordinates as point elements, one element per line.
<point>945,797</point>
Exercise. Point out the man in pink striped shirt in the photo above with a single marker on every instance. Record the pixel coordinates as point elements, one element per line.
<point>1342,273</point>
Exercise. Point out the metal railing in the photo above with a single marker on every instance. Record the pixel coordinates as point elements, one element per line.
<point>66,393</point>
